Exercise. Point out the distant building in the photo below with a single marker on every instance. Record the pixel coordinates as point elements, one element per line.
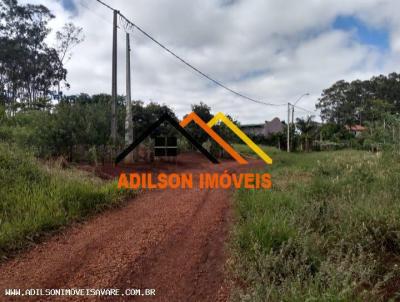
<point>356,129</point>
<point>268,128</point>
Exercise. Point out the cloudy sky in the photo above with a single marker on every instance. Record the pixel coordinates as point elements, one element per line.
<point>270,50</point>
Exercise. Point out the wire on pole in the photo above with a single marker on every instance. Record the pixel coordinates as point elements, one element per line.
<point>218,83</point>
<point>304,109</point>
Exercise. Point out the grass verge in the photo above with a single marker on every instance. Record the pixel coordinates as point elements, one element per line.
<point>329,230</point>
<point>35,198</point>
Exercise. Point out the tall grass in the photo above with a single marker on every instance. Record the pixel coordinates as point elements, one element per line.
<point>35,198</point>
<point>329,230</point>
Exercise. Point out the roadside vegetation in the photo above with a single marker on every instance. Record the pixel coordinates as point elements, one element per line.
<point>329,230</point>
<point>37,198</point>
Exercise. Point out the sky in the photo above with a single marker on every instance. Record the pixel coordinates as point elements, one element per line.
<point>273,51</point>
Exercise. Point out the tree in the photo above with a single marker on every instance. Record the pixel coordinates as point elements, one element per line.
<point>383,133</point>
<point>377,109</point>
<point>144,116</point>
<point>359,102</point>
<point>28,66</point>
<point>2,114</point>
<point>67,38</point>
<point>334,132</point>
<point>308,129</point>
<point>204,112</point>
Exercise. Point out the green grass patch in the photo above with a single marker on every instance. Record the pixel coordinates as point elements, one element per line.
<point>329,230</point>
<point>245,150</point>
<point>35,198</point>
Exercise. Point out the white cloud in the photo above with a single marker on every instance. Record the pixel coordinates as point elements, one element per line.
<point>269,50</point>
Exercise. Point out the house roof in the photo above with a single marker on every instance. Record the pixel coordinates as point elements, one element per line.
<point>252,126</point>
<point>356,128</point>
<point>274,126</point>
<point>271,127</point>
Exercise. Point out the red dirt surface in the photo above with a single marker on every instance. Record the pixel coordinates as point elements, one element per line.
<point>172,241</point>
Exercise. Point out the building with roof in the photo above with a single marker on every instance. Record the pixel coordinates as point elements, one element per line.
<point>267,129</point>
<point>356,129</point>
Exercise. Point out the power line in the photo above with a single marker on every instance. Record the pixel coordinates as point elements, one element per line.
<point>301,114</point>
<point>218,83</point>
<point>81,3</point>
<point>105,4</point>
<point>304,109</point>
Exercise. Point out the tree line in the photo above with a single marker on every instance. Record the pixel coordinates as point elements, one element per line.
<point>32,73</point>
<point>77,120</point>
<point>360,102</point>
<point>35,112</point>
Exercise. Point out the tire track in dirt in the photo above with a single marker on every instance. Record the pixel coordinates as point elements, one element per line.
<point>170,240</point>
<point>198,244</point>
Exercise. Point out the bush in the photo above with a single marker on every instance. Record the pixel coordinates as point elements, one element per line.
<point>37,198</point>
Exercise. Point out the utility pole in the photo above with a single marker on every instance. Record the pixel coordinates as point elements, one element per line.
<point>292,115</point>
<point>293,126</point>
<point>114,83</point>
<point>288,128</point>
<point>128,105</point>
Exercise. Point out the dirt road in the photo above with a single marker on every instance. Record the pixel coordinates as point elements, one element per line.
<point>172,241</point>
